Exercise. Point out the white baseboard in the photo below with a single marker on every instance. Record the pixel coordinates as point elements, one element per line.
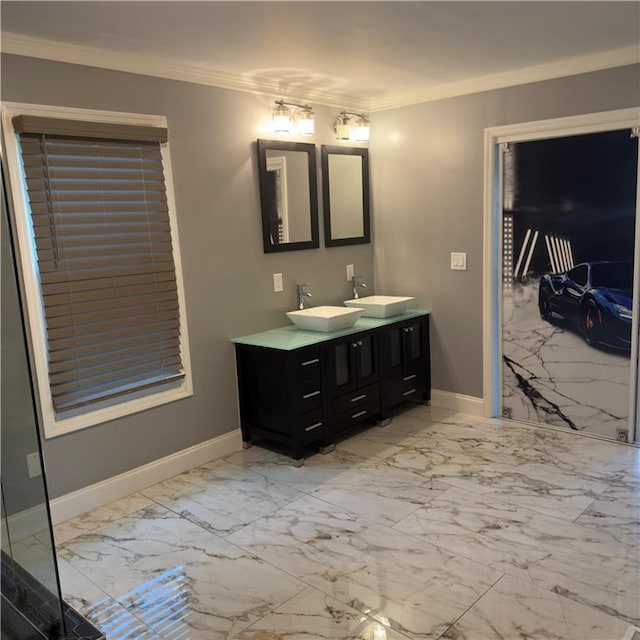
<point>96,495</point>
<point>458,401</point>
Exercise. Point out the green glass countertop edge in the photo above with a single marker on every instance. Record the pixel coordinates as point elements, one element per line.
<point>290,337</point>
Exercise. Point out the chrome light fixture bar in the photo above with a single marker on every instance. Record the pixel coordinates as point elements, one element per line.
<point>352,126</point>
<point>289,117</point>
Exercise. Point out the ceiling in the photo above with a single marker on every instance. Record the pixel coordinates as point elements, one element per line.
<point>370,55</point>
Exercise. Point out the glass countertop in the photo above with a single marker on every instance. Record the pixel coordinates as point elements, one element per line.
<point>290,337</point>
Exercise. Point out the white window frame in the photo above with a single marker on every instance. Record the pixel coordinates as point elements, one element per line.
<point>55,426</point>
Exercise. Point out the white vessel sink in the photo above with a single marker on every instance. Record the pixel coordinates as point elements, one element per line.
<point>381,306</point>
<point>324,318</point>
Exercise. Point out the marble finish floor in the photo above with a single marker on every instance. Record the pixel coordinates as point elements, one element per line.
<point>552,376</point>
<point>440,525</point>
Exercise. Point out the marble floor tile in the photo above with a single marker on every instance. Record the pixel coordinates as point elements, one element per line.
<point>517,610</point>
<point>590,457</point>
<point>379,492</point>
<point>316,471</point>
<point>117,623</point>
<point>439,523</point>
<point>373,443</point>
<point>484,467</point>
<point>77,589</point>
<point>616,510</point>
<point>419,588</point>
<point>221,496</point>
<point>314,614</point>
<point>168,571</point>
<point>98,517</point>
<point>586,565</point>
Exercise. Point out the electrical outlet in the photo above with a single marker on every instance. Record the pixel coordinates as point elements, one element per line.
<point>458,261</point>
<point>622,435</point>
<point>351,271</point>
<point>33,465</point>
<point>277,282</point>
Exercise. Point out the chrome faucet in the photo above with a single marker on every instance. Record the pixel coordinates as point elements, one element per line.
<point>355,283</point>
<point>302,294</point>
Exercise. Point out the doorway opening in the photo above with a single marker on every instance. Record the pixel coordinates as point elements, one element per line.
<point>561,244</point>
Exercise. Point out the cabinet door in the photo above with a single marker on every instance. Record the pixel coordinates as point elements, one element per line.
<point>366,355</point>
<point>353,363</point>
<point>414,340</point>
<point>342,365</point>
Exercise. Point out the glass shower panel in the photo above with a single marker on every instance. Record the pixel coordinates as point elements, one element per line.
<point>28,556</point>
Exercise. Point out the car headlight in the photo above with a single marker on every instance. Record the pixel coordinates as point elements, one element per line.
<point>623,312</point>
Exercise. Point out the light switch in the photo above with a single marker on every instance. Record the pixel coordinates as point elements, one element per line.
<point>350,272</point>
<point>458,261</point>
<point>277,282</point>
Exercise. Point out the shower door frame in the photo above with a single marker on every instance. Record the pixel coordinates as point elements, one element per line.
<point>492,243</point>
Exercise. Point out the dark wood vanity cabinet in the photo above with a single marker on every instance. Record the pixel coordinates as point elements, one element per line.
<point>281,396</point>
<point>353,377</point>
<point>405,363</point>
<point>306,397</point>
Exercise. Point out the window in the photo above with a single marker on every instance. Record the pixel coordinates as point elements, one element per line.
<point>579,274</point>
<point>98,242</point>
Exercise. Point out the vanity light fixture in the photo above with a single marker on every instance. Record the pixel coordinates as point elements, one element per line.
<point>289,117</point>
<point>352,126</point>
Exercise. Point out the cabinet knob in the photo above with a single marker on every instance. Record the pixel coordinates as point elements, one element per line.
<point>354,345</point>
<point>359,343</point>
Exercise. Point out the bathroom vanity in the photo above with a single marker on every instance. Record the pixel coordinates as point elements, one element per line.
<point>305,390</point>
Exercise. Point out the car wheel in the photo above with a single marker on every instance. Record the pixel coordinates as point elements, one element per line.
<point>591,323</point>
<point>543,304</point>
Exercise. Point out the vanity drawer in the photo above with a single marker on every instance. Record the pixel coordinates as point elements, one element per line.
<point>309,364</point>
<point>312,426</point>
<point>407,387</point>
<point>356,398</point>
<point>364,412</point>
<point>310,397</point>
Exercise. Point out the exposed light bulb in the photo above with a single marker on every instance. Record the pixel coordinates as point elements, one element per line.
<point>343,127</point>
<point>306,122</point>
<point>361,130</point>
<point>379,632</point>
<point>281,119</point>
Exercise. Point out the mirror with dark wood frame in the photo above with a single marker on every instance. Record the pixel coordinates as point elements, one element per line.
<point>288,195</point>
<point>345,195</point>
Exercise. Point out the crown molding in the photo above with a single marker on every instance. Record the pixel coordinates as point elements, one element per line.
<point>31,47</point>
<point>560,69</point>
<point>164,68</point>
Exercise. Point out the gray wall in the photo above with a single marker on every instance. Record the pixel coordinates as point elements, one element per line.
<point>227,277</point>
<point>427,176</point>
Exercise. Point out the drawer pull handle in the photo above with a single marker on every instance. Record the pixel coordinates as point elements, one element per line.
<point>306,396</point>
<point>308,362</point>
<point>357,415</point>
<point>407,378</point>
<point>357,398</point>
<point>408,393</point>
<point>313,426</point>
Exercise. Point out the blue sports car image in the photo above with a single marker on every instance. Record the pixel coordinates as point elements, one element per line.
<point>594,297</point>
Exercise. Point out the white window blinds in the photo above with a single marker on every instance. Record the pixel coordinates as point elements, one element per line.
<point>105,257</point>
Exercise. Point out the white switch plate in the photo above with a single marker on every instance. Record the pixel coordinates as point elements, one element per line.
<point>33,464</point>
<point>458,261</point>
<point>277,282</point>
<point>350,272</point>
